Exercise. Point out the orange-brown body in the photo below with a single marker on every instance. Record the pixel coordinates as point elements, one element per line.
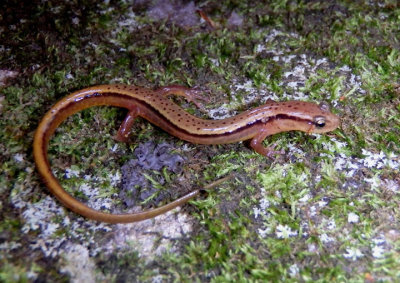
<point>153,105</point>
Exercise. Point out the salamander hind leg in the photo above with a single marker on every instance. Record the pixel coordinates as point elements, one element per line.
<point>256,144</point>
<point>126,125</point>
<point>190,94</point>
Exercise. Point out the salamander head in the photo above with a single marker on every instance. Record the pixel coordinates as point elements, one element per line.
<point>322,119</point>
<point>307,117</point>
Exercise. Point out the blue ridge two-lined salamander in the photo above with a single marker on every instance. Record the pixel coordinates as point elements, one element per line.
<point>153,105</point>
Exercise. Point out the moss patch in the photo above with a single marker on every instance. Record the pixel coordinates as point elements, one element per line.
<point>327,209</point>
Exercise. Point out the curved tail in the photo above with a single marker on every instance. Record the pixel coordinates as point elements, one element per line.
<point>69,105</point>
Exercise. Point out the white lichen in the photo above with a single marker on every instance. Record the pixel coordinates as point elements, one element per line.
<point>352,218</point>
<point>353,254</point>
<point>284,232</point>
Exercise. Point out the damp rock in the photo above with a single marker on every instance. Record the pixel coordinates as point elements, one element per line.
<point>178,12</point>
<point>150,156</point>
<point>235,20</point>
<point>154,157</point>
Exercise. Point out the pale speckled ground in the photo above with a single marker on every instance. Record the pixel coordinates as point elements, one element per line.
<point>333,191</point>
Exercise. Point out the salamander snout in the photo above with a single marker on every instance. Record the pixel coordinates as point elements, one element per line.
<point>325,123</point>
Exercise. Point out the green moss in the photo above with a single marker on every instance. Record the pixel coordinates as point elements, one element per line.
<point>306,188</point>
<point>12,273</point>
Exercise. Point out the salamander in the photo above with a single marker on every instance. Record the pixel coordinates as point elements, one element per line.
<point>155,106</point>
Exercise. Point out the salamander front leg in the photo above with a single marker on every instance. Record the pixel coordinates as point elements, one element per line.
<point>190,94</point>
<point>126,125</point>
<point>256,144</point>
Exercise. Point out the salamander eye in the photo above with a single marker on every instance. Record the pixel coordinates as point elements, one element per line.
<point>324,106</point>
<point>319,121</point>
